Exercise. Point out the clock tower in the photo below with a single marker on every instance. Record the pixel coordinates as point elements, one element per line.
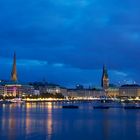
<point>105,78</point>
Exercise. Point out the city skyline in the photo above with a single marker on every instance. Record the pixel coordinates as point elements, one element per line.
<point>70,44</point>
<point>104,83</point>
<point>69,69</point>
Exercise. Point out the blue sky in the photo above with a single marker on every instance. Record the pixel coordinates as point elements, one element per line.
<point>68,41</point>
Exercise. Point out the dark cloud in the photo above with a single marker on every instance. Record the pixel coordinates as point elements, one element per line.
<point>78,35</point>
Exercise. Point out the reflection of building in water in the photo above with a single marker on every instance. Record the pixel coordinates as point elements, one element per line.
<point>43,119</point>
<point>12,124</point>
<point>9,122</point>
<point>106,125</point>
<point>28,120</point>
<point>137,124</point>
<point>49,121</point>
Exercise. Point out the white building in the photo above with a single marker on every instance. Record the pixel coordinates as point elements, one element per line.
<point>52,89</point>
<point>112,92</point>
<point>85,93</point>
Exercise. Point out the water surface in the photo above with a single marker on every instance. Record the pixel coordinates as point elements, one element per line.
<point>48,121</point>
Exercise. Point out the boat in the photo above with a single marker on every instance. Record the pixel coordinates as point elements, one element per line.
<point>17,100</point>
<point>132,107</point>
<point>107,103</point>
<point>70,107</point>
<point>5,102</point>
<point>101,107</point>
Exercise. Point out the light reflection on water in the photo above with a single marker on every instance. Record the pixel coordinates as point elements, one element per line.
<point>48,121</point>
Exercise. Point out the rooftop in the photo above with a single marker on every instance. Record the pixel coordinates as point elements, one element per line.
<point>131,85</point>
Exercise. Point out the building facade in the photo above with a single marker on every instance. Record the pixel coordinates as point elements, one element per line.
<point>129,91</point>
<point>52,89</point>
<point>85,93</point>
<point>15,90</point>
<point>105,79</point>
<point>113,92</point>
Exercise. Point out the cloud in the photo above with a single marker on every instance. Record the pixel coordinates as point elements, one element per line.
<point>76,34</point>
<point>120,73</point>
<point>31,63</point>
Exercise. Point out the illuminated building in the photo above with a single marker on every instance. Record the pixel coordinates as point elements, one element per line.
<point>13,87</point>
<point>55,89</point>
<point>2,90</point>
<point>85,93</point>
<point>49,88</point>
<point>105,79</point>
<point>129,90</point>
<point>112,92</point>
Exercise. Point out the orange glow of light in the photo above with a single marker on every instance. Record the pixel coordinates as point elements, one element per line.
<point>49,120</point>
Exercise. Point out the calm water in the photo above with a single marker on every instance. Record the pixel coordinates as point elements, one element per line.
<point>48,121</point>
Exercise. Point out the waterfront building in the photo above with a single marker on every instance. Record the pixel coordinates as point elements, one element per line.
<point>13,87</point>
<point>27,90</point>
<point>36,92</point>
<point>132,90</point>
<point>85,93</point>
<point>2,90</point>
<point>17,89</point>
<point>52,89</point>
<point>112,92</point>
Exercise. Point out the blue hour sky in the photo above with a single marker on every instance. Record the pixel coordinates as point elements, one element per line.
<point>68,41</point>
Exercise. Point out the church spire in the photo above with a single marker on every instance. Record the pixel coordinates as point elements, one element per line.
<point>105,78</point>
<point>14,70</point>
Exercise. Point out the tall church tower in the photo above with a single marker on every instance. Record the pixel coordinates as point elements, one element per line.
<point>14,70</point>
<point>105,78</point>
